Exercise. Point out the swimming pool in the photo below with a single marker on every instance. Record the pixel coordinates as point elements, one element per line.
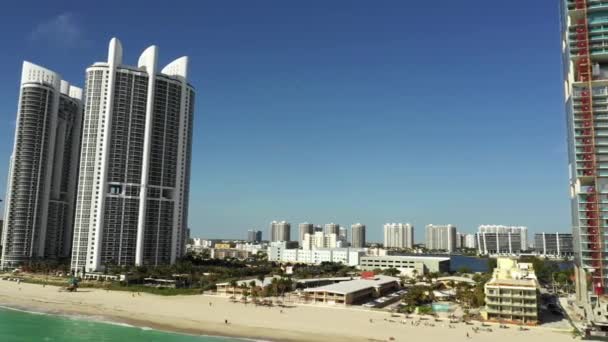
<point>441,307</point>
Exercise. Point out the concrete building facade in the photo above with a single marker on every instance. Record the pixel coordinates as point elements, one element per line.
<point>357,235</point>
<point>280,231</point>
<point>408,264</point>
<point>498,243</point>
<point>553,244</point>
<point>512,295</point>
<point>398,235</point>
<point>441,237</point>
<point>42,176</point>
<point>133,191</point>
<point>521,231</point>
<point>254,235</point>
<point>331,228</point>
<point>303,229</point>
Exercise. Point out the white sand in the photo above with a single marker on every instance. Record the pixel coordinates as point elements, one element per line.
<point>193,314</point>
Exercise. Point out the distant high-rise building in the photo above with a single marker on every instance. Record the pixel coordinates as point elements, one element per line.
<point>280,231</point>
<point>460,240</point>
<point>318,229</point>
<point>343,235</point>
<point>398,235</point>
<point>320,240</point>
<point>441,237</point>
<point>553,244</point>
<point>357,235</point>
<point>332,228</point>
<point>513,230</point>
<point>254,235</point>
<point>133,191</point>
<point>498,243</point>
<point>42,175</point>
<point>469,241</point>
<point>305,228</point>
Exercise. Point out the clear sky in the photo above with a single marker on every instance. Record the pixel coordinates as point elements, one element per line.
<point>337,111</point>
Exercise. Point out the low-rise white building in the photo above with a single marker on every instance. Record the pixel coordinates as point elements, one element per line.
<point>346,256</point>
<point>406,264</point>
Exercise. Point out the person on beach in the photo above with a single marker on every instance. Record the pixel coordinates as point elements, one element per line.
<point>226,321</point>
<point>468,335</point>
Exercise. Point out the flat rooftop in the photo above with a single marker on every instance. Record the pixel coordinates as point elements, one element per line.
<point>532,283</point>
<point>351,286</point>
<point>409,257</point>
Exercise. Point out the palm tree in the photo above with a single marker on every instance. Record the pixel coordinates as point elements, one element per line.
<point>233,284</point>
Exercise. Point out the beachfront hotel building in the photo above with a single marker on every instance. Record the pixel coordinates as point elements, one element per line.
<point>512,294</point>
<point>441,237</point>
<point>357,235</point>
<point>42,174</point>
<point>132,200</point>
<point>398,235</point>
<point>280,231</point>
<point>354,291</point>
<point>584,33</point>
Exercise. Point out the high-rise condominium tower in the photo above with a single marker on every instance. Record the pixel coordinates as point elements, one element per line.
<point>132,202</point>
<point>254,235</point>
<point>585,66</point>
<point>280,231</point>
<point>42,174</point>
<point>357,235</point>
<point>441,237</point>
<point>521,231</point>
<point>332,228</point>
<point>398,235</point>
<point>305,228</point>
<point>343,235</point>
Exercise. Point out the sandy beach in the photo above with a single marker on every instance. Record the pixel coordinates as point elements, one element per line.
<point>202,314</point>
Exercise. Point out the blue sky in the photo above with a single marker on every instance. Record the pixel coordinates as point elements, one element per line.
<point>338,111</point>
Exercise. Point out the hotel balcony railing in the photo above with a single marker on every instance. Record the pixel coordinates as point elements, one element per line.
<point>513,295</point>
<point>593,37</point>
<point>591,4</point>
<point>596,107</point>
<point>503,303</point>
<point>512,312</point>
<point>593,45</point>
<point>597,91</point>
<point>579,117</point>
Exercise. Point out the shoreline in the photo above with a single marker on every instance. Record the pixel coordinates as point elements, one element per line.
<point>120,321</point>
<point>205,314</point>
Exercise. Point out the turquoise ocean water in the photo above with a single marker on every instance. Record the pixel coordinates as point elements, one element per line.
<point>29,327</point>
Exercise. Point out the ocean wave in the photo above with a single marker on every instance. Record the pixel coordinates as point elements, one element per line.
<point>107,320</point>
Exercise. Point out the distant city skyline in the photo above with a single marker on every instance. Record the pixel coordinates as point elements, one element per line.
<point>361,87</point>
<point>377,233</point>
